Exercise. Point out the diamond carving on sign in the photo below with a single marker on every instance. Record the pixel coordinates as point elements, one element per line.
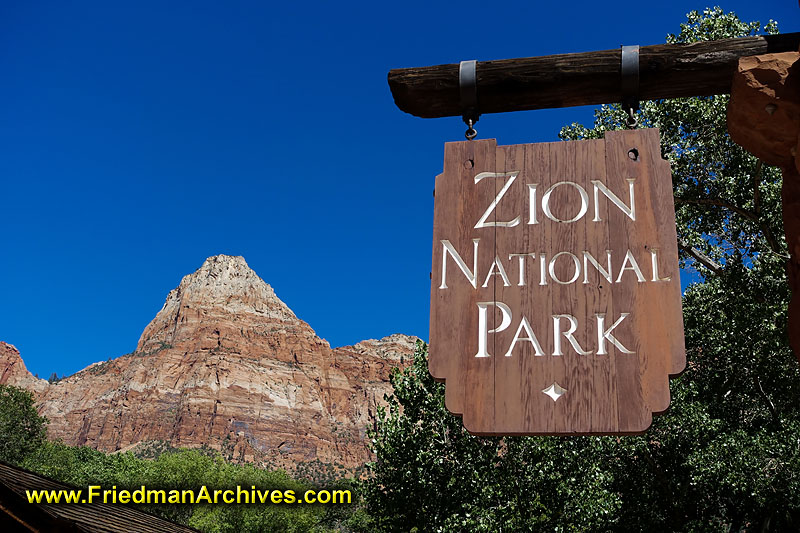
<point>555,391</point>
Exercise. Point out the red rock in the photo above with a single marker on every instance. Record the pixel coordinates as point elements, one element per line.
<point>764,110</point>
<point>227,365</point>
<point>764,118</point>
<point>13,371</point>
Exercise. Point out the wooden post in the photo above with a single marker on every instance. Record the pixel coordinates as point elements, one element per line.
<point>666,71</point>
<point>764,118</point>
<point>791,223</point>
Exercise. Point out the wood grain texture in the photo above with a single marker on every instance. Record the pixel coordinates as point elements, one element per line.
<point>536,267</point>
<point>666,71</point>
<point>455,187</point>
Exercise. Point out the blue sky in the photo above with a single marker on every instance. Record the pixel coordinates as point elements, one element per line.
<point>138,139</point>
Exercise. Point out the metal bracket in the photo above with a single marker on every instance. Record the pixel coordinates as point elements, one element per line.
<point>630,82</point>
<point>468,91</point>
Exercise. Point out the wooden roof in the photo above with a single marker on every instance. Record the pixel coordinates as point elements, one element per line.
<point>16,514</point>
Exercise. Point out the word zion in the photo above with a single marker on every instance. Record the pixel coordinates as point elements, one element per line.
<point>525,268</point>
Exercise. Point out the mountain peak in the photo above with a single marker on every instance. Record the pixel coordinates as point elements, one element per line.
<point>13,371</point>
<point>224,273</point>
<point>228,281</point>
<point>223,290</point>
<point>225,365</point>
<point>221,264</point>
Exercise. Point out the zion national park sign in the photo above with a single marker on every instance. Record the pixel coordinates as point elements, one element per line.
<point>555,289</point>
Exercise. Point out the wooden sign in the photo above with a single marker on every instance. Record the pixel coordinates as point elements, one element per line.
<point>555,289</point>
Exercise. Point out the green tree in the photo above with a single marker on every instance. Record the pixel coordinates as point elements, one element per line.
<point>22,430</point>
<point>726,457</point>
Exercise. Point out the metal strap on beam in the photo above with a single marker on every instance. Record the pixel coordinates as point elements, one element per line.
<point>629,84</point>
<point>468,91</point>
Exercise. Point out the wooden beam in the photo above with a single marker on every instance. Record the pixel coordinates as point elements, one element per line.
<point>590,78</point>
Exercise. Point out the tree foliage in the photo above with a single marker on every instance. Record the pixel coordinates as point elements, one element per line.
<point>22,430</point>
<point>726,457</point>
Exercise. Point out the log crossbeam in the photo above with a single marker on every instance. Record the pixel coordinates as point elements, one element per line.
<point>590,78</point>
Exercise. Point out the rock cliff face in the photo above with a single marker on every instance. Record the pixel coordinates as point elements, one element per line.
<point>13,371</point>
<point>227,365</point>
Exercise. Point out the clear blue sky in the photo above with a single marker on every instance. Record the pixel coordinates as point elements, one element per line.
<point>138,138</point>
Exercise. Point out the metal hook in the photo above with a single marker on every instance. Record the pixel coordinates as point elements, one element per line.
<point>631,121</point>
<point>471,132</point>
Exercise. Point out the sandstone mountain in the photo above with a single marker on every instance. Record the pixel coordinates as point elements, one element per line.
<point>227,365</point>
